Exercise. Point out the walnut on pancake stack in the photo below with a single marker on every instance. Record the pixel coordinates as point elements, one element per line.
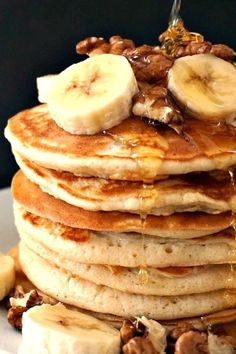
<point>126,196</point>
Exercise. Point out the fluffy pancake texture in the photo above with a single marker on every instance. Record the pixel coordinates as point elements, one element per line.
<point>85,294</point>
<point>179,225</point>
<point>131,151</point>
<point>201,322</point>
<point>212,193</point>
<point>159,281</point>
<point>129,250</point>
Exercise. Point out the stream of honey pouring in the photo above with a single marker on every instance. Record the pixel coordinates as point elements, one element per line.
<point>176,33</point>
<point>174,15</point>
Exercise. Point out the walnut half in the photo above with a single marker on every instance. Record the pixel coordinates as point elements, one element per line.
<point>127,331</point>
<point>14,316</point>
<point>192,342</point>
<point>98,45</point>
<point>21,304</point>
<point>139,345</point>
<point>219,50</point>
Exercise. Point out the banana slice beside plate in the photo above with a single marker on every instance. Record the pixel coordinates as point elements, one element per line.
<point>58,330</point>
<point>93,95</point>
<point>205,86</point>
<point>7,275</point>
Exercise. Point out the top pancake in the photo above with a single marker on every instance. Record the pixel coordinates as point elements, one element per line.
<point>131,151</point>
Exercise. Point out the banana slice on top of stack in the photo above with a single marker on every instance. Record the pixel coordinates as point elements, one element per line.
<point>7,275</point>
<point>44,84</point>
<point>90,96</point>
<point>204,86</point>
<point>58,330</point>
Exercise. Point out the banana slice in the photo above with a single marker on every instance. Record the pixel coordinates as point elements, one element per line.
<point>7,275</point>
<point>205,86</point>
<point>58,330</point>
<point>93,95</point>
<point>44,84</point>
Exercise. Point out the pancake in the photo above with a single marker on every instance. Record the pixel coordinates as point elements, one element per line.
<point>212,193</point>
<point>146,281</point>
<point>180,225</point>
<point>226,317</point>
<point>132,150</point>
<point>127,250</point>
<point>75,291</point>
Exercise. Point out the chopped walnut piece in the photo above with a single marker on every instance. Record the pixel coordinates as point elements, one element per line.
<point>22,304</point>
<point>222,51</point>
<point>29,299</point>
<point>144,49</point>
<point>94,45</point>
<point>153,102</point>
<point>153,92</point>
<point>150,67</point>
<point>181,328</point>
<point>89,44</point>
<point>191,48</point>
<point>219,50</point>
<point>119,44</point>
<point>16,293</point>
<point>192,342</point>
<point>127,331</point>
<point>34,299</point>
<point>103,49</point>
<point>139,345</point>
<point>14,316</point>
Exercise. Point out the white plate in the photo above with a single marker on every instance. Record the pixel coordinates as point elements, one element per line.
<point>9,338</point>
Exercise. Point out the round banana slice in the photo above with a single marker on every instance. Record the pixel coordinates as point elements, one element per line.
<point>58,330</point>
<point>7,275</point>
<point>205,86</point>
<point>44,84</point>
<point>93,95</point>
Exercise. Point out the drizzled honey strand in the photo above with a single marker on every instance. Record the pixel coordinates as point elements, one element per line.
<point>174,15</point>
<point>177,34</point>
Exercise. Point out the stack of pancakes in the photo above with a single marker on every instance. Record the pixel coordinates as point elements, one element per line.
<point>133,221</point>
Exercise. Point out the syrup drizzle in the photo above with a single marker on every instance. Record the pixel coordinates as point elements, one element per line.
<point>144,207</point>
<point>143,274</point>
<point>174,15</point>
<point>121,139</point>
<point>176,33</point>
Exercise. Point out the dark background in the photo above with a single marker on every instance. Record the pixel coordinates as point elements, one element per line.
<point>39,37</point>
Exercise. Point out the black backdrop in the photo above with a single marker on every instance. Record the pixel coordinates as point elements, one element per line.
<point>38,37</point>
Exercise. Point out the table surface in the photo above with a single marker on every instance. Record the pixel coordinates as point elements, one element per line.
<point>9,338</point>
